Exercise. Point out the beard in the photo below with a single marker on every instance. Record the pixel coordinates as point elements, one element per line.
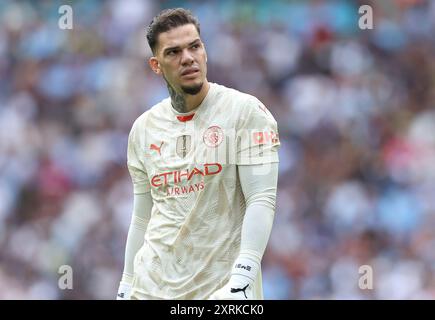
<point>192,90</point>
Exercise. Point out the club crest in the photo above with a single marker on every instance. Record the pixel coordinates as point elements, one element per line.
<point>213,136</point>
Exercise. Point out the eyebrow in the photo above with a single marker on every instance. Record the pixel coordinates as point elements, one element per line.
<point>178,47</point>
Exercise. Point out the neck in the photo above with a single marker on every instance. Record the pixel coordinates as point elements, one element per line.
<point>183,102</point>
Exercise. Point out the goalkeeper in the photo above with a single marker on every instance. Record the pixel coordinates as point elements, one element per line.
<point>204,166</point>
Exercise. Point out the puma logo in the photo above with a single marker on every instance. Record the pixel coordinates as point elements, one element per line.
<point>154,147</point>
<point>234,290</point>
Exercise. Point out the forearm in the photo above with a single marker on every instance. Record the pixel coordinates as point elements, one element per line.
<point>259,188</point>
<point>260,195</point>
<point>139,221</point>
<point>257,226</point>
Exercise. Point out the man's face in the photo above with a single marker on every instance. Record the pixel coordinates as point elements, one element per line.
<point>181,59</point>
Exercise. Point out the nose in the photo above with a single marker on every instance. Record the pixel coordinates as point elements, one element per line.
<point>186,58</point>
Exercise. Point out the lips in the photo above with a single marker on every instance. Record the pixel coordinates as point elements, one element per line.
<point>189,71</point>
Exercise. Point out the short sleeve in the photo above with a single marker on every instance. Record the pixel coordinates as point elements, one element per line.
<point>257,139</point>
<point>135,166</point>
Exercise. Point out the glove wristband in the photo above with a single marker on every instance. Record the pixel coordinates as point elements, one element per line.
<point>246,267</point>
<point>125,287</point>
<point>123,291</point>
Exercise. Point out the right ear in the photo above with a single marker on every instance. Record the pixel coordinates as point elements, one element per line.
<point>155,65</point>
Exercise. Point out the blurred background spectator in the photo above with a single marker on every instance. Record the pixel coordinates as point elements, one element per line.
<point>356,116</point>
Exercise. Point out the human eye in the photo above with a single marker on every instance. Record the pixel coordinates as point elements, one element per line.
<point>172,52</point>
<point>196,46</point>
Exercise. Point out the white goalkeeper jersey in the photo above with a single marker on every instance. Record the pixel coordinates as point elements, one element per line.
<point>189,164</point>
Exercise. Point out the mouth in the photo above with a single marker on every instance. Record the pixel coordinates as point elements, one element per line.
<point>190,72</point>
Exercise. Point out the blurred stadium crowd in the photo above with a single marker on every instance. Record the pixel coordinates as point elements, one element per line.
<point>356,116</point>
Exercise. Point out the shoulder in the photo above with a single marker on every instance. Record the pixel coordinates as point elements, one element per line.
<point>239,96</point>
<point>143,120</point>
<point>245,101</point>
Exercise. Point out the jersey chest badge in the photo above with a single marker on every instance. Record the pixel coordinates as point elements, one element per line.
<point>183,145</point>
<point>213,136</point>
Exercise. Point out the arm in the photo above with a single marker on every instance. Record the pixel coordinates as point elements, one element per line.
<point>142,206</point>
<point>259,184</point>
<point>259,188</point>
<point>141,215</point>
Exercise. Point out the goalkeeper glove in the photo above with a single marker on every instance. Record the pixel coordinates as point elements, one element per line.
<point>124,288</point>
<point>243,274</point>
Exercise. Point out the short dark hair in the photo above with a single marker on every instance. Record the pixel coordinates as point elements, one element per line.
<point>169,19</point>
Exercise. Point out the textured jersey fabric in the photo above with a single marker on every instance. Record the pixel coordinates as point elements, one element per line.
<point>189,163</point>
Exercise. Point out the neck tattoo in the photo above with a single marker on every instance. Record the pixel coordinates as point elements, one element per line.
<point>178,100</point>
